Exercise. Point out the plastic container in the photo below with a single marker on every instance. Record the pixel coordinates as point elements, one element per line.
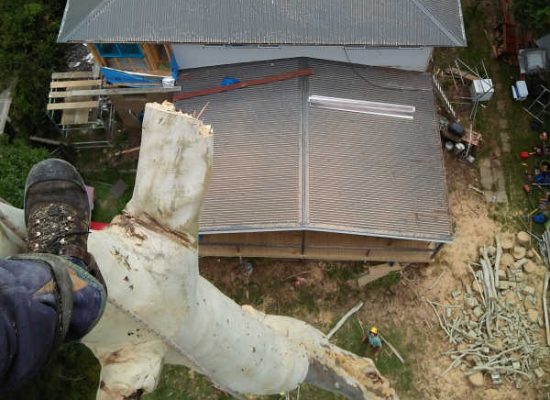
<point>168,82</point>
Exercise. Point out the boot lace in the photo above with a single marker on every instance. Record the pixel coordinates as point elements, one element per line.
<point>53,227</point>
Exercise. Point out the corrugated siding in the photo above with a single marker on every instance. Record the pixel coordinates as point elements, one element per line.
<point>371,173</point>
<point>362,174</point>
<point>256,168</point>
<point>311,22</point>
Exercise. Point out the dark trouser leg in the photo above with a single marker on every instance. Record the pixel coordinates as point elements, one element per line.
<point>31,311</point>
<point>28,320</point>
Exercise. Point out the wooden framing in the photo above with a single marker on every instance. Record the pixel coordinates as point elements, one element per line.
<point>315,245</point>
<point>153,58</point>
<point>72,75</point>
<point>100,60</point>
<point>112,92</point>
<point>152,55</point>
<point>73,84</point>
<point>73,105</point>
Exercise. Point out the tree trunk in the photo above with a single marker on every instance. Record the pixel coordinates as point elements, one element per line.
<point>160,310</point>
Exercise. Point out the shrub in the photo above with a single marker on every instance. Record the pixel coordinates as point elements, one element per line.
<point>15,162</point>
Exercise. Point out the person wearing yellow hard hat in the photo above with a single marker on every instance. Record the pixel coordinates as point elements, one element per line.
<point>374,339</point>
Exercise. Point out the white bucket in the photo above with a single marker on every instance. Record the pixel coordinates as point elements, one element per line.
<point>168,82</point>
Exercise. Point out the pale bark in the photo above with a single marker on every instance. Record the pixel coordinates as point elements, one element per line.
<point>161,310</point>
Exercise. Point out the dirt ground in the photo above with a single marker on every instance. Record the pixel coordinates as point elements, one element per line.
<point>324,298</point>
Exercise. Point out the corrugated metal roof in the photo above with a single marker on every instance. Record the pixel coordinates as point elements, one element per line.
<point>254,181</point>
<point>375,173</point>
<point>303,22</point>
<point>281,164</point>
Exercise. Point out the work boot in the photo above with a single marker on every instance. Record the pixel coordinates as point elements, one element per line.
<point>57,213</point>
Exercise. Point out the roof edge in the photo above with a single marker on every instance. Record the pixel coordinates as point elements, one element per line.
<point>67,37</point>
<point>462,25</point>
<point>63,21</point>
<point>371,233</point>
<point>440,26</point>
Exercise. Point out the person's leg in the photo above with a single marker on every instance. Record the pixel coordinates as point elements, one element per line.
<point>28,320</point>
<point>58,274</point>
<point>57,215</point>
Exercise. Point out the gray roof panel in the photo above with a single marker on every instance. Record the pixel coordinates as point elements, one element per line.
<point>254,180</point>
<point>375,173</point>
<point>282,164</point>
<point>297,22</point>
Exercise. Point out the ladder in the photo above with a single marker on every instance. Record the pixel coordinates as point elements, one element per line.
<point>539,108</point>
<point>443,97</point>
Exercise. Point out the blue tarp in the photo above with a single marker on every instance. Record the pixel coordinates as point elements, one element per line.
<point>114,76</point>
<point>174,67</point>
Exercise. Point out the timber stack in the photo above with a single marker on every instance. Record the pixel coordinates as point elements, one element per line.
<point>496,321</point>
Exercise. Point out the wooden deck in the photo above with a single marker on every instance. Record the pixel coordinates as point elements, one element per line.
<point>315,245</point>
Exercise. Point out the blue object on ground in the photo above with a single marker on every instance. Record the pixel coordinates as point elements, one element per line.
<point>539,218</point>
<point>229,81</point>
<point>543,178</point>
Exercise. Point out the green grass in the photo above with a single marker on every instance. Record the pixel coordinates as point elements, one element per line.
<point>102,175</point>
<point>385,282</point>
<point>73,368</point>
<point>349,338</point>
<point>180,383</point>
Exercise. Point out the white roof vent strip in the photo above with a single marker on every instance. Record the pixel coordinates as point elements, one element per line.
<point>363,107</point>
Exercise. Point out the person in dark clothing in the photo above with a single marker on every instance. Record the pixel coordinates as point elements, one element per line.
<point>54,293</point>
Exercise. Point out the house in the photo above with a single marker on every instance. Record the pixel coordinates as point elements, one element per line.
<point>292,178</point>
<point>341,159</point>
<point>126,34</point>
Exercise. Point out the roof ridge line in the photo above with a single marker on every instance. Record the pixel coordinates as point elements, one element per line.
<point>437,23</point>
<point>91,15</point>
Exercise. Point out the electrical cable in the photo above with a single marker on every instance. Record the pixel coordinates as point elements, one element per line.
<point>368,81</point>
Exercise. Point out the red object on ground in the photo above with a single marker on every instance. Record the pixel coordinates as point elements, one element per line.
<point>524,155</point>
<point>527,188</point>
<point>98,226</point>
<point>252,82</point>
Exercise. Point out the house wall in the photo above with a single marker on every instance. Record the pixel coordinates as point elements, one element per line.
<point>315,246</point>
<point>196,56</point>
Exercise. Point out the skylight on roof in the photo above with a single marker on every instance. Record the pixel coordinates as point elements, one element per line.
<point>363,107</point>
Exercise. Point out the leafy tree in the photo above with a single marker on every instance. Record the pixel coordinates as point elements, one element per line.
<point>15,162</point>
<point>28,54</point>
<point>533,15</point>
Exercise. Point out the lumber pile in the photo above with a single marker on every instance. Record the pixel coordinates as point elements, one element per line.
<point>496,321</point>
